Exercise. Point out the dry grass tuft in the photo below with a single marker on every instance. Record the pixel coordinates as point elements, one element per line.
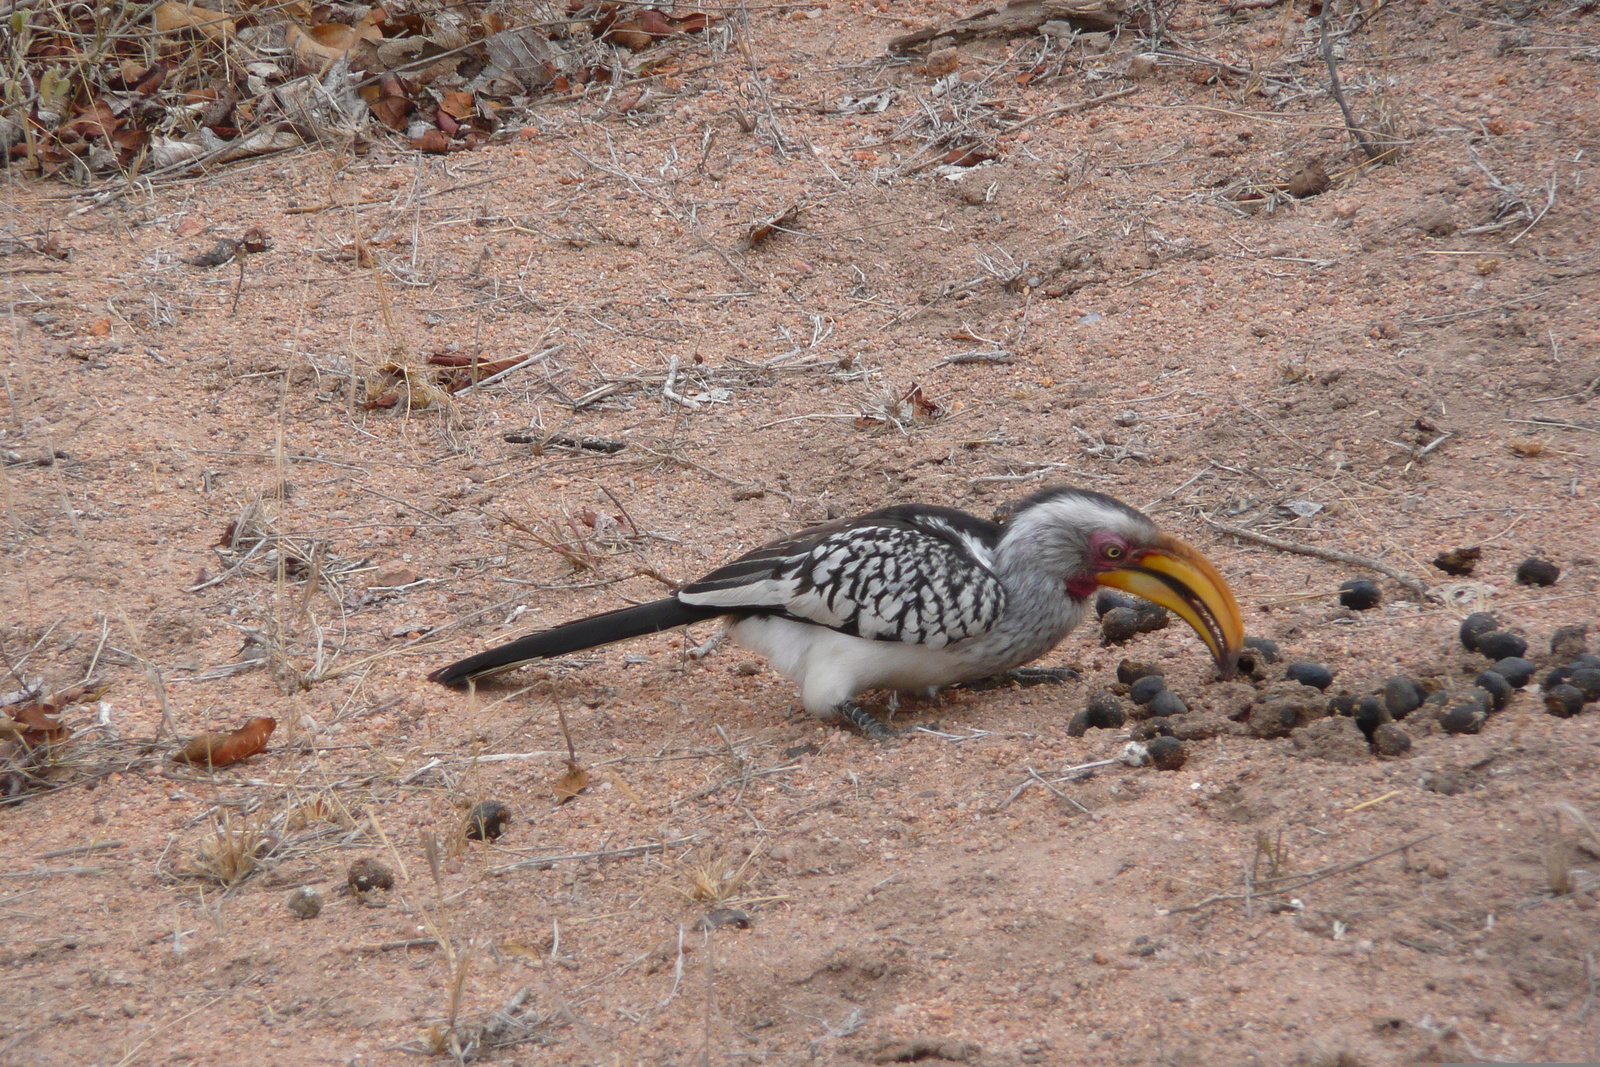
<point>232,851</point>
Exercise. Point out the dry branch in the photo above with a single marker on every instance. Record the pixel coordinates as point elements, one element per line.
<point>1332,555</point>
<point>1018,18</point>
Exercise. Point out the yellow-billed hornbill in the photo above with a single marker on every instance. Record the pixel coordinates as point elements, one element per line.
<point>916,597</point>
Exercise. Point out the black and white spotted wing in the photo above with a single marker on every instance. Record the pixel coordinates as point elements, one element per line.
<point>917,574</point>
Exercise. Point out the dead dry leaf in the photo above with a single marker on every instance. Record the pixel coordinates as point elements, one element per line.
<point>219,750</point>
<point>175,18</point>
<point>572,782</point>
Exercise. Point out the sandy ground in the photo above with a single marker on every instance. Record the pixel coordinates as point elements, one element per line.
<point>1402,365</point>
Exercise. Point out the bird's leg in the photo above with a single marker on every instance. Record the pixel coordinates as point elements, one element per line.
<point>1021,676</point>
<point>870,725</point>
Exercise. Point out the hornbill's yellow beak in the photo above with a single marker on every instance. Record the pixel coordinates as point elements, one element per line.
<point>1180,579</point>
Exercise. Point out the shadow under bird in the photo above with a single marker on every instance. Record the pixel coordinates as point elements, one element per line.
<point>917,597</point>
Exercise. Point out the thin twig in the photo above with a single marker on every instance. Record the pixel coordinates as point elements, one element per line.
<point>1332,555</point>
<point>1301,883</point>
<point>1337,85</point>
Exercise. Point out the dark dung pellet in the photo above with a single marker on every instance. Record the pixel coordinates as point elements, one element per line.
<point>1465,717</point>
<point>1118,625</point>
<point>1536,571</point>
<point>1564,701</point>
<point>1265,648</point>
<point>1499,644</point>
<point>1167,753</point>
<point>487,820</point>
<point>1313,674</point>
<point>1494,683</point>
<point>1105,711</point>
<point>1570,640</point>
<point>1401,696</point>
<point>1587,680</point>
<point>1359,594</point>
<point>1343,704</point>
<point>1152,617</point>
<point>1144,731</point>
<point>1391,740</point>
<point>1109,599</point>
<point>1166,704</point>
<point>368,874</point>
<point>1371,714</point>
<point>1129,671</point>
<point>1458,562</point>
<point>1145,689</point>
<point>1515,669</point>
<point>1479,622</point>
<point>1078,725</point>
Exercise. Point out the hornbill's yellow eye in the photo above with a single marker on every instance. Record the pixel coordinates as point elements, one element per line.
<point>1113,552</point>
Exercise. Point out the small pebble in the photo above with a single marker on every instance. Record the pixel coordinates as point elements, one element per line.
<point>1391,740</point>
<point>1537,571</point>
<point>1104,711</point>
<point>1167,753</point>
<point>1109,599</point>
<point>1152,617</point>
<point>1515,669</point>
<point>1570,640</point>
<point>1479,622</point>
<point>365,874</point>
<point>1144,731</point>
<point>1118,625</point>
<point>1166,704</point>
<point>1313,674</point>
<point>1145,689</point>
<point>1359,594</point>
<point>304,903</point>
<point>1498,644</point>
<point>1463,718</point>
<point>1129,671</point>
<point>1401,696</point>
<point>1564,701</point>
<point>1587,680</point>
<point>1494,683</point>
<point>487,820</point>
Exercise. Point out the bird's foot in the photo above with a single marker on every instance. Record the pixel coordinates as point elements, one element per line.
<point>1021,676</point>
<point>872,727</point>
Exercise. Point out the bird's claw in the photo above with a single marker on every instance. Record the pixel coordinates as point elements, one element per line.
<point>872,727</point>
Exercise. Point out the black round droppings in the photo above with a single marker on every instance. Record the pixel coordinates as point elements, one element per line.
<point>1564,701</point>
<point>1494,683</point>
<point>1459,562</point>
<point>1145,689</point>
<point>1152,617</point>
<point>1129,671</point>
<point>1437,699</point>
<point>487,820</point>
<point>1144,731</point>
<point>1371,714</point>
<point>1104,711</point>
<point>368,874</point>
<point>1391,740</point>
<point>1265,648</point>
<point>1498,644</point>
<point>1537,571</point>
<point>1515,669</point>
<point>1588,680</point>
<point>1313,674</point>
<point>1359,594</point>
<point>1570,640</point>
<point>1078,725</point>
<point>1401,696</point>
<point>1465,717</point>
<point>1108,600</point>
<point>1479,622</point>
<point>1167,753</point>
<point>1166,704</point>
<point>1118,625</point>
<point>1343,704</point>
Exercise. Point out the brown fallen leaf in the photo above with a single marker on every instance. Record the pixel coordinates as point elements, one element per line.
<point>219,750</point>
<point>572,782</point>
<point>174,18</point>
<point>762,229</point>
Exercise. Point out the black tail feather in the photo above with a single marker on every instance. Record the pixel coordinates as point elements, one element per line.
<point>592,632</point>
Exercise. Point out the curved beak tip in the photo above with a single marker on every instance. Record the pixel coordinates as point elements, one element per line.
<point>1179,578</point>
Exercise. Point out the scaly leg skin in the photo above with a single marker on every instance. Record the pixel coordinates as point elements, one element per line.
<point>1021,676</point>
<point>870,725</point>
